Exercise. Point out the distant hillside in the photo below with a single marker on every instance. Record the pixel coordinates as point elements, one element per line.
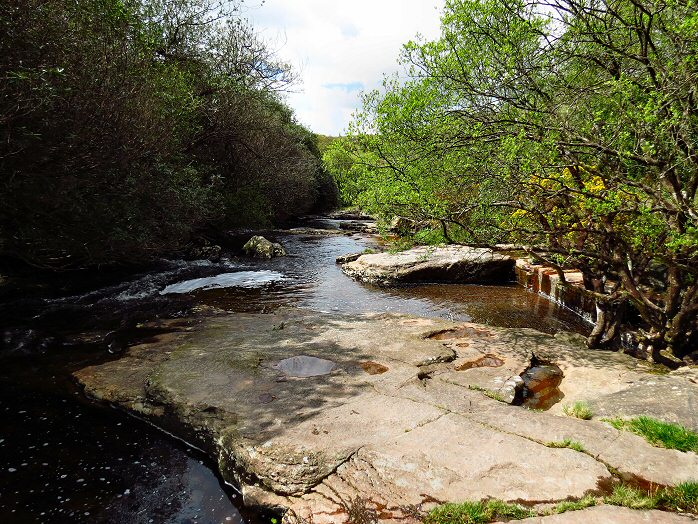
<point>323,141</point>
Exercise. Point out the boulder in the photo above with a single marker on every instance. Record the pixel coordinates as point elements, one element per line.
<point>343,259</point>
<point>360,226</point>
<point>456,264</point>
<point>260,247</point>
<point>402,225</point>
<point>349,214</point>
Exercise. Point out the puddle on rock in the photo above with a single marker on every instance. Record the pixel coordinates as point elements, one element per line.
<point>540,389</point>
<point>373,368</point>
<point>460,332</point>
<point>304,366</point>
<point>489,361</point>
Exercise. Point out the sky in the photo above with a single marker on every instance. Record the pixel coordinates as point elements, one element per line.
<point>340,49</point>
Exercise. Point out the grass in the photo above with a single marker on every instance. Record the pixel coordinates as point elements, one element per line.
<point>579,409</point>
<point>576,505</point>
<point>476,512</point>
<point>632,498</point>
<point>567,443</point>
<point>659,433</point>
<point>681,498</point>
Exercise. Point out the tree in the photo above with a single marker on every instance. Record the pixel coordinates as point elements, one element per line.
<point>570,127</point>
<point>129,126</point>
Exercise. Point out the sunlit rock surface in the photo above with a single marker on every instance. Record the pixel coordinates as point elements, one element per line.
<point>402,413</point>
<point>460,264</point>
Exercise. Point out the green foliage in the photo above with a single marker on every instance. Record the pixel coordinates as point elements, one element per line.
<point>579,409</point>
<point>575,505</point>
<point>562,127</point>
<point>683,497</point>
<point>476,512</point>
<point>128,127</point>
<point>429,237</point>
<point>567,443</point>
<point>659,433</point>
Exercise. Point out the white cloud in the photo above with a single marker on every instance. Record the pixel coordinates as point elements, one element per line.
<point>341,48</point>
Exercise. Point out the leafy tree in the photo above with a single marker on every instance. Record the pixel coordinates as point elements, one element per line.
<point>129,126</point>
<point>567,126</point>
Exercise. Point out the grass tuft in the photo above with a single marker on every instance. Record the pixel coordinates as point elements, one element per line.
<point>576,505</point>
<point>632,498</point>
<point>579,409</point>
<point>683,497</point>
<point>470,512</point>
<point>659,433</point>
<point>567,443</point>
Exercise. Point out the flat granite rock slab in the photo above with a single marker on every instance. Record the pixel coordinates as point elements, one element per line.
<point>631,456</point>
<point>611,515</point>
<point>461,264</point>
<point>391,419</point>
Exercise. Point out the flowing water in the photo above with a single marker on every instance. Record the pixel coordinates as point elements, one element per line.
<point>64,458</point>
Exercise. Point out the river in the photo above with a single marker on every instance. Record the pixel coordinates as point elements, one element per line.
<point>65,458</point>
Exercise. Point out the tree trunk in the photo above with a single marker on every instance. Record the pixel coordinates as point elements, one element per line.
<point>609,317</point>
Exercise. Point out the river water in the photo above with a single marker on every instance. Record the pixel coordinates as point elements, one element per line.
<point>64,458</point>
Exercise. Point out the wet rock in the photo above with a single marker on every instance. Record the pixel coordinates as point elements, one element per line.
<point>461,332</point>
<point>349,214</point>
<point>343,259</point>
<point>305,366</point>
<point>432,264</point>
<point>541,385</point>
<point>368,227</point>
<point>489,360</point>
<point>373,368</point>
<point>260,247</point>
<point>115,342</point>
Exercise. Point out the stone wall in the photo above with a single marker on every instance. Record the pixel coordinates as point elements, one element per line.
<point>545,281</point>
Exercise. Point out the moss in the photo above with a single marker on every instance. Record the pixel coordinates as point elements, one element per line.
<point>659,433</point>
<point>470,512</point>
<point>567,443</point>
<point>581,410</point>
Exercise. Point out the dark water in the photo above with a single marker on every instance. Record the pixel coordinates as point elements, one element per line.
<point>65,459</point>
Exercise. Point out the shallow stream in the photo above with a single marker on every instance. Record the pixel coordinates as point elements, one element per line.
<point>64,458</point>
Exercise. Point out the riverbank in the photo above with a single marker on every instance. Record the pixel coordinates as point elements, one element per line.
<point>237,289</point>
<point>310,412</point>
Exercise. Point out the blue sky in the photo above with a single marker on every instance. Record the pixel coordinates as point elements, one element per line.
<point>340,48</point>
